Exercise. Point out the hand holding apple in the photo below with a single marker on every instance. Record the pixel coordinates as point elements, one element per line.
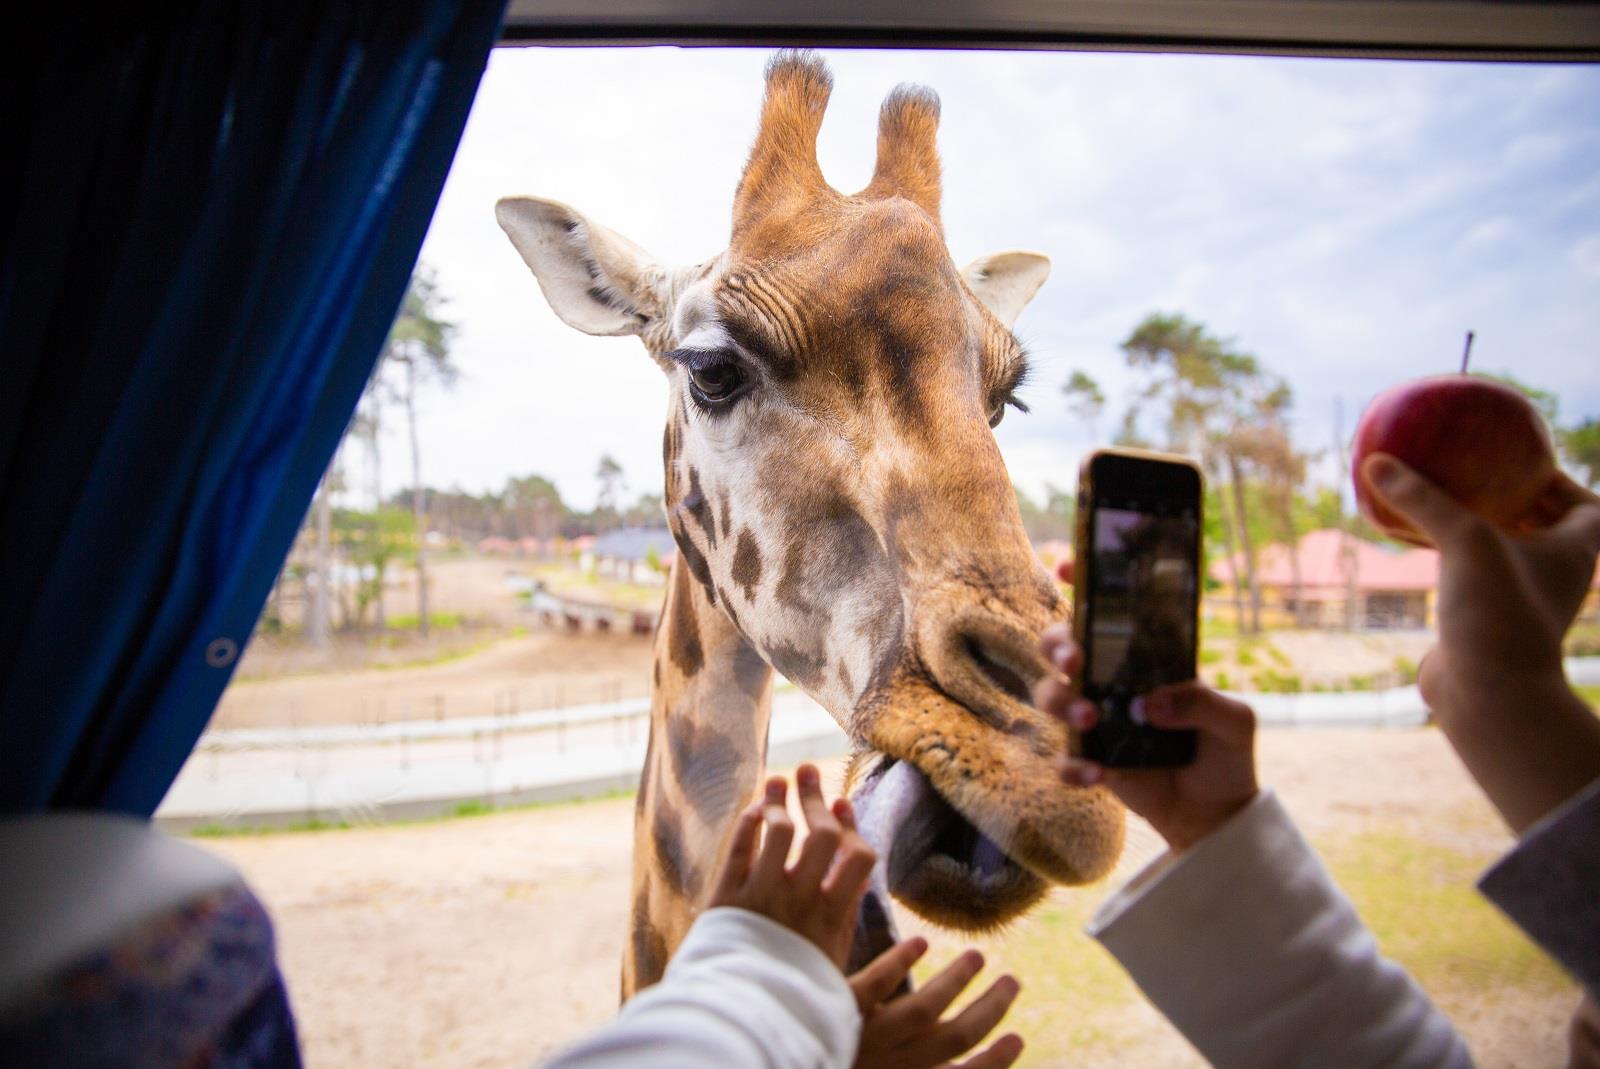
<point>1506,599</point>
<point>1479,440</point>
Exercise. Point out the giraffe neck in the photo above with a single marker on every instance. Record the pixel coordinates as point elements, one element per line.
<point>710,703</point>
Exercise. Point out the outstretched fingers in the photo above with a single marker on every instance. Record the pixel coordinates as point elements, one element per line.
<point>920,1011</point>
<point>740,855</point>
<point>966,1029</point>
<point>823,832</point>
<point>881,977</point>
<point>1000,1054</point>
<point>769,865</point>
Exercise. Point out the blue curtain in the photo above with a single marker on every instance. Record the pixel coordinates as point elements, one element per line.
<point>209,221</point>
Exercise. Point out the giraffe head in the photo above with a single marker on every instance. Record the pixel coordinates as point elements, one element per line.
<point>834,486</point>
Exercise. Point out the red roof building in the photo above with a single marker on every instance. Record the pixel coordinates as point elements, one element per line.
<point>1381,587</point>
<point>1342,578</point>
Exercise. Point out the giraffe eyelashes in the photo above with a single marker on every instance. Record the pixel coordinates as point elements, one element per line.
<point>716,379</point>
<point>999,412</point>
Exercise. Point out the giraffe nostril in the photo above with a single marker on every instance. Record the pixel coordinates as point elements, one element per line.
<point>996,670</point>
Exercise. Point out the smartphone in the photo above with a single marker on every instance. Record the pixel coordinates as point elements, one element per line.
<point>1136,594</point>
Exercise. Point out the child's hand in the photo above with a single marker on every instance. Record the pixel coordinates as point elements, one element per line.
<point>1183,804</point>
<point>906,1032</point>
<point>816,897</point>
<point>1505,600</point>
<point>1495,680</point>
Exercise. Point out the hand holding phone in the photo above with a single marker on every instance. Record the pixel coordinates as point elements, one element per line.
<point>1136,599</point>
<point>1184,804</point>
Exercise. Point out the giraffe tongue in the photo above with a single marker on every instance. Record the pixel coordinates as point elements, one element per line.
<point>882,805</point>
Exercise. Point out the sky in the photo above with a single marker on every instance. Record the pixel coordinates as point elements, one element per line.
<point>1344,221</point>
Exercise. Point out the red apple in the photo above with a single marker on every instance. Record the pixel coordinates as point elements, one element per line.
<point>1482,442</point>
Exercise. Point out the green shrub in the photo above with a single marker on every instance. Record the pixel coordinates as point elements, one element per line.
<point>1583,640</point>
<point>437,621</point>
<point>1271,681</point>
<point>1222,681</point>
<point>1245,657</point>
<point>1406,669</point>
<point>1210,656</point>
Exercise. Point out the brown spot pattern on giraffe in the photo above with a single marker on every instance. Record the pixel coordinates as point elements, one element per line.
<point>649,946</point>
<point>683,635</point>
<point>673,862</point>
<point>747,563</point>
<point>695,501</point>
<point>714,770</point>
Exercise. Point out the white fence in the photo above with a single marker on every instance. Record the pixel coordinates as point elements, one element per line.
<point>411,768</point>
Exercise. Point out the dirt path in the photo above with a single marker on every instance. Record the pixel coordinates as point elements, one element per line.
<point>489,941</point>
<point>546,670</point>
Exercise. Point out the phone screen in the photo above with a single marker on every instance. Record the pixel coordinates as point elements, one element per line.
<point>1142,604</point>
<point>1138,607</point>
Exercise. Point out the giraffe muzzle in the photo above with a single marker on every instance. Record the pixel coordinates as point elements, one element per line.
<point>932,858</point>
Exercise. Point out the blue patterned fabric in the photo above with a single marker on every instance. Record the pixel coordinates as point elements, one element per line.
<point>197,988</point>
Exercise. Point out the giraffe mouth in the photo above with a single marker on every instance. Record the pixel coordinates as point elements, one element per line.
<point>932,858</point>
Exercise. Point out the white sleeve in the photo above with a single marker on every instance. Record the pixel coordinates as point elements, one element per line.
<point>1549,884</point>
<point>741,990</point>
<point>1248,947</point>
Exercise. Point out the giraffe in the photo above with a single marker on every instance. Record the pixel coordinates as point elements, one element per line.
<point>843,516</point>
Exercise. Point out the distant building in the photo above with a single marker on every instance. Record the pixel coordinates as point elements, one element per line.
<point>632,554</point>
<point>1390,588</point>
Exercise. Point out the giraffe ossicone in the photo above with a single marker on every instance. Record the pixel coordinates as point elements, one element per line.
<point>842,515</point>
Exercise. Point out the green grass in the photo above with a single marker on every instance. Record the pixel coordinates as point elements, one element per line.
<point>1075,998</point>
<point>472,807</point>
<point>1420,901</point>
<point>460,653</point>
<point>1583,639</point>
<point>1418,897</point>
<point>1272,681</point>
<point>437,621</point>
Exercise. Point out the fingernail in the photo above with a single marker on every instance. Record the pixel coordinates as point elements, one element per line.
<point>1059,657</point>
<point>807,776</point>
<point>1136,710</point>
<point>1383,472</point>
<point>1079,715</point>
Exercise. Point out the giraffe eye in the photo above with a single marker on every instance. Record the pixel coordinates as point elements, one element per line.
<point>999,413</point>
<point>715,384</point>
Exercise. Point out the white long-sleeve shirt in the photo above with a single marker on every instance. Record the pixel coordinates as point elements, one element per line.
<point>1248,947</point>
<point>1243,942</point>
<point>741,990</point>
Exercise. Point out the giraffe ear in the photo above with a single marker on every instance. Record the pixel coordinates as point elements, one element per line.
<point>1006,281</point>
<point>596,280</point>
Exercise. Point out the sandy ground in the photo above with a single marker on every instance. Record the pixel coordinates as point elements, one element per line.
<point>489,941</point>
<point>542,670</point>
